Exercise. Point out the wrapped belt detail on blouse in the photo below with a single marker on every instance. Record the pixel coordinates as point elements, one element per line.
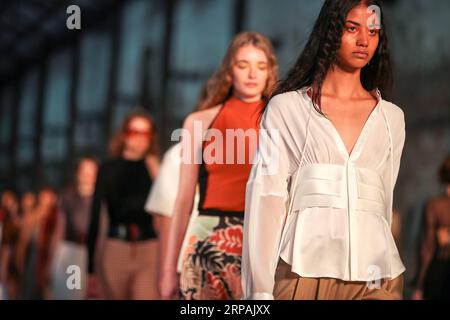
<point>325,185</point>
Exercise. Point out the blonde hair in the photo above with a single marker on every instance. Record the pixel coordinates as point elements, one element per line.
<point>219,86</point>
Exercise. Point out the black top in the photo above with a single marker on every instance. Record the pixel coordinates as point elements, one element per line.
<point>123,185</point>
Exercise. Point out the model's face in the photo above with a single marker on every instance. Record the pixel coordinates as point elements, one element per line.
<point>138,136</point>
<point>87,172</point>
<point>9,200</point>
<point>28,201</point>
<point>359,42</point>
<point>250,72</point>
<point>47,198</point>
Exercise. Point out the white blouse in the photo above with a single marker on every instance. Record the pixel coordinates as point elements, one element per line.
<point>339,205</point>
<point>163,194</point>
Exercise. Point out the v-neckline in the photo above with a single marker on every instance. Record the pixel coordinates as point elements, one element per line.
<point>358,140</point>
<point>338,136</point>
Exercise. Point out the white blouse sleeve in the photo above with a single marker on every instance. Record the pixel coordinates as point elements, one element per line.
<point>162,196</point>
<point>265,205</point>
<point>396,126</point>
<point>398,141</point>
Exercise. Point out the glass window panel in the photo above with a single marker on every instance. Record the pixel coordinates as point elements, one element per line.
<point>6,113</point>
<point>25,153</point>
<point>89,135</point>
<point>95,56</point>
<point>54,148</point>
<point>57,90</point>
<point>28,104</point>
<point>134,30</point>
<point>290,26</point>
<point>201,34</point>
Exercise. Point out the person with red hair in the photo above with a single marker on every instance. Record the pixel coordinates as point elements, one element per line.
<point>128,268</point>
<point>235,94</point>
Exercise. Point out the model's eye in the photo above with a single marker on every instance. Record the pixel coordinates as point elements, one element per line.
<point>242,65</point>
<point>373,32</point>
<point>351,29</point>
<point>262,66</point>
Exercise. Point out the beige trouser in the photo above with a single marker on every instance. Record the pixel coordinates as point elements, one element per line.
<point>289,286</point>
<point>130,271</point>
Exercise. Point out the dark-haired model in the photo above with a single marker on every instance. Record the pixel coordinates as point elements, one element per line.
<point>319,197</point>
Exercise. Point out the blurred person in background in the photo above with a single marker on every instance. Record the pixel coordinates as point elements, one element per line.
<point>235,95</point>
<point>129,265</point>
<point>73,223</point>
<point>9,231</point>
<point>27,203</point>
<point>433,280</point>
<point>36,246</point>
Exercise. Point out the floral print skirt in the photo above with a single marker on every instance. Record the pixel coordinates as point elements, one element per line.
<point>212,259</point>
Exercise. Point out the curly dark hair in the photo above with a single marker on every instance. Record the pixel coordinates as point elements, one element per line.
<point>321,52</point>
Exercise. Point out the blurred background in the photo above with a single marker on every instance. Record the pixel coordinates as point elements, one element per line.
<point>63,92</point>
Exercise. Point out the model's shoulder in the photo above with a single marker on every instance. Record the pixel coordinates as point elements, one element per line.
<point>284,98</point>
<point>201,115</point>
<point>393,110</point>
<point>285,103</point>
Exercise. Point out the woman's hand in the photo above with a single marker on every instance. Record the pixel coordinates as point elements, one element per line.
<point>169,285</point>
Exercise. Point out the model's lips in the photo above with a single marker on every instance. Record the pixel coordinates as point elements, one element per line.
<point>361,54</point>
<point>251,84</point>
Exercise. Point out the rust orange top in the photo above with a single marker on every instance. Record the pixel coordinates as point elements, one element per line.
<point>227,154</point>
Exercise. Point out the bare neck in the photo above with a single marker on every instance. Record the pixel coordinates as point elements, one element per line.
<point>131,155</point>
<point>247,99</point>
<point>85,190</point>
<point>343,83</point>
